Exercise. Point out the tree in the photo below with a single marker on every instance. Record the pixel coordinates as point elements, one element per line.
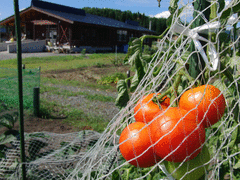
<point>158,24</point>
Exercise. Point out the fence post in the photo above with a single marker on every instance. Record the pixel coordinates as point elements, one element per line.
<point>36,101</point>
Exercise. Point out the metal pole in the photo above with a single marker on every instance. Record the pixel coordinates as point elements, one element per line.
<point>20,87</point>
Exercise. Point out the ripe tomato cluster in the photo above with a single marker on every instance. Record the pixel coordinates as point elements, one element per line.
<point>175,134</point>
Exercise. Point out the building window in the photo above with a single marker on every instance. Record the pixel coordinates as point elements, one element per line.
<point>122,35</point>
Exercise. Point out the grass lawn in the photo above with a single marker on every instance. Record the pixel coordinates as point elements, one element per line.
<point>64,62</point>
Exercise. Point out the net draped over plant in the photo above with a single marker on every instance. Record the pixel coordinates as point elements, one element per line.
<point>9,86</point>
<point>213,47</point>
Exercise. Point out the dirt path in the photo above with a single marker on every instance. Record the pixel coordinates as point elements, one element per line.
<point>105,110</point>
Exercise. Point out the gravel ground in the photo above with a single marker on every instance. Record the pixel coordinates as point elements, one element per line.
<point>5,55</point>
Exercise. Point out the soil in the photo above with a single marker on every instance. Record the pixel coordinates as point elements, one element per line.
<point>55,124</point>
<point>86,74</point>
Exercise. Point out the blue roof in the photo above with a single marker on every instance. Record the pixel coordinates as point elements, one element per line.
<point>79,15</point>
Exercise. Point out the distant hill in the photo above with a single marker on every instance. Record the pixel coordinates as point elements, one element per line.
<point>157,24</point>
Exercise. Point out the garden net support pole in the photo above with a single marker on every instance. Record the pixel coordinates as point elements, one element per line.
<point>196,62</point>
<point>20,87</point>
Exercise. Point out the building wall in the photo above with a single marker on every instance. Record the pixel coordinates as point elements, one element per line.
<point>28,47</point>
<point>89,35</point>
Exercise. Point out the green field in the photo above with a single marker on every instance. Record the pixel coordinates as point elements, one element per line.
<point>63,62</point>
<point>75,116</point>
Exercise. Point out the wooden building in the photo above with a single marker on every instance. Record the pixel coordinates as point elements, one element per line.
<point>67,25</point>
<point>3,34</point>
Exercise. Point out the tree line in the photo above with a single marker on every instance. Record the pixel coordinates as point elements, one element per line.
<point>157,24</point>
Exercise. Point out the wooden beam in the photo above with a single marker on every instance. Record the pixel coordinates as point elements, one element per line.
<point>70,35</point>
<point>34,34</point>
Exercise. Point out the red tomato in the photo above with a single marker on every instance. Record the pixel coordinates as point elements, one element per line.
<point>136,144</point>
<point>177,135</point>
<point>146,109</point>
<point>204,99</point>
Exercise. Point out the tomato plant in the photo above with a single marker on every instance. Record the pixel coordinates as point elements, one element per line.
<point>207,103</point>
<point>146,109</point>
<point>178,170</point>
<point>197,95</point>
<point>134,141</point>
<point>177,135</point>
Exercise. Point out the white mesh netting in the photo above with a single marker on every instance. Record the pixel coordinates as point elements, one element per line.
<point>91,155</point>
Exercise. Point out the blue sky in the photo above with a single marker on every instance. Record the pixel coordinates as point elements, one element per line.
<point>148,7</point>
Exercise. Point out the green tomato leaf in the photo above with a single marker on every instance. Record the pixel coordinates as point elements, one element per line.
<point>134,82</point>
<point>136,41</point>
<point>235,110</point>
<point>4,139</point>
<point>237,165</point>
<point>6,123</point>
<point>234,61</point>
<point>135,45</point>
<point>236,8</point>
<point>8,117</point>
<point>2,153</point>
<point>139,74</point>
<point>140,68</point>
<point>234,136</point>
<point>228,12</point>
<point>222,87</point>
<point>123,96</point>
<point>221,5</point>
<point>134,57</point>
<point>115,175</point>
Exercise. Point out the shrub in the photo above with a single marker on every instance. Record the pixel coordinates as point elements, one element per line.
<point>105,80</point>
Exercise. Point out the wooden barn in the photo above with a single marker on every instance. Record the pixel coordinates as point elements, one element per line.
<point>71,26</point>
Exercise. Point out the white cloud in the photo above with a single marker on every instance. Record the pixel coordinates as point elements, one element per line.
<point>164,14</point>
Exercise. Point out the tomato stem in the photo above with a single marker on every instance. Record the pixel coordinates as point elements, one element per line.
<point>175,89</point>
<point>171,90</point>
<point>186,74</point>
<point>159,98</point>
<point>152,36</point>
